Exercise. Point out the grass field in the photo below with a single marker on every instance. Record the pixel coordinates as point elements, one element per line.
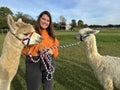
<point>72,69</point>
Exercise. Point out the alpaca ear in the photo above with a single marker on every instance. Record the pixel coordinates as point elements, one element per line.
<point>19,20</point>
<point>93,32</point>
<point>11,23</point>
<point>97,31</point>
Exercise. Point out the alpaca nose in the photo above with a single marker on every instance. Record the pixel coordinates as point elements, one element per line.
<point>40,38</point>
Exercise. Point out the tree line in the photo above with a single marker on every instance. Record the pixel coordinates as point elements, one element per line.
<point>4,11</point>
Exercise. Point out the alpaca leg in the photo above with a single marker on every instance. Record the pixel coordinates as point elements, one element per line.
<point>8,88</point>
<point>5,85</point>
<point>108,83</point>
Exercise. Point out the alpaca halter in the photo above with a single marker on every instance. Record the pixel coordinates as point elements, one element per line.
<point>24,39</point>
<point>82,37</point>
<point>28,38</point>
<point>86,35</point>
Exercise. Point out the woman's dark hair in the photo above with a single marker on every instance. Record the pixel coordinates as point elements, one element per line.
<point>50,29</point>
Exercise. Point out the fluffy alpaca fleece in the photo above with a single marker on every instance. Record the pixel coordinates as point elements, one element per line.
<point>106,68</point>
<point>12,47</point>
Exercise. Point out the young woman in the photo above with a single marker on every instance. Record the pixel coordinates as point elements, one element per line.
<point>37,68</point>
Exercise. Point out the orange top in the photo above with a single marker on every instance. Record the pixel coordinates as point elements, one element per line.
<point>46,42</point>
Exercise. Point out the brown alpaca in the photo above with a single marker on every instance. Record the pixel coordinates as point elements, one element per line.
<point>14,42</point>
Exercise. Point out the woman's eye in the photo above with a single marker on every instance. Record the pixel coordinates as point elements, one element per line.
<point>45,19</point>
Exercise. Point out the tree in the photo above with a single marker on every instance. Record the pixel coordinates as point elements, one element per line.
<point>73,23</point>
<point>80,23</point>
<point>62,22</point>
<point>25,17</point>
<point>4,11</point>
<point>62,19</point>
<point>56,25</point>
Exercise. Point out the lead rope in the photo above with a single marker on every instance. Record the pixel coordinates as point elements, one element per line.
<point>47,60</point>
<point>65,46</point>
<point>54,47</point>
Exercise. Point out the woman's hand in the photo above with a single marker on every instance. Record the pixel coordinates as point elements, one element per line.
<point>46,50</point>
<point>49,51</point>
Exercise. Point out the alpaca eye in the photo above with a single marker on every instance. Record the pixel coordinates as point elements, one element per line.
<point>88,33</point>
<point>26,34</point>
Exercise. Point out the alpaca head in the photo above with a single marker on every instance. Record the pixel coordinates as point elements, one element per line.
<point>23,31</point>
<point>85,34</point>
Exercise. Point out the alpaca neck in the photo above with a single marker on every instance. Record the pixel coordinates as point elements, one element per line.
<point>91,46</point>
<point>92,52</point>
<point>11,48</point>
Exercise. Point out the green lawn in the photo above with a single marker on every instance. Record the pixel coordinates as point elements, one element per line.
<point>72,69</point>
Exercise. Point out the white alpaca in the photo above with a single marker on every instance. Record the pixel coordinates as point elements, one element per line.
<point>14,41</point>
<point>106,68</point>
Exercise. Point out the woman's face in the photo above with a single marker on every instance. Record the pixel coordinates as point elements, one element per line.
<point>44,21</point>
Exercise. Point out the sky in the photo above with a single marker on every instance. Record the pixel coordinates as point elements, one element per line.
<point>92,12</point>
